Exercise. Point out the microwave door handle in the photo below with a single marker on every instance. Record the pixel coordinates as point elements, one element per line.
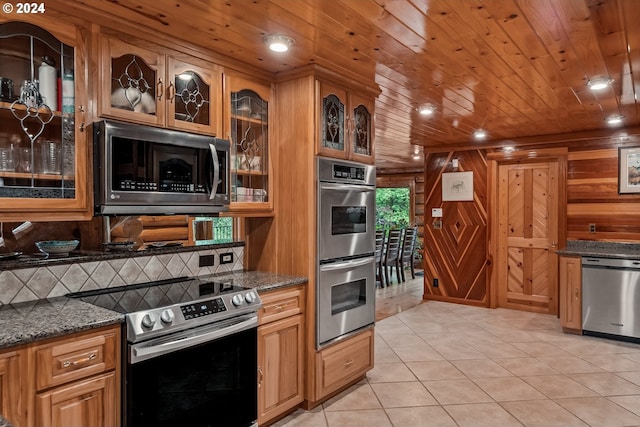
<point>216,171</point>
<point>347,264</point>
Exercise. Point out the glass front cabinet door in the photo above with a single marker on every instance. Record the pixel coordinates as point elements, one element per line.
<point>345,124</point>
<point>43,150</point>
<point>249,135</point>
<point>143,86</point>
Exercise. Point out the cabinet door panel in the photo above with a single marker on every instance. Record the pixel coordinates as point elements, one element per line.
<point>280,346</point>
<point>133,83</point>
<point>332,121</point>
<point>361,129</point>
<point>84,403</point>
<point>13,402</point>
<point>193,97</point>
<point>43,159</point>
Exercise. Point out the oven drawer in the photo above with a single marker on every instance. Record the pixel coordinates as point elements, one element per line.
<point>76,357</point>
<point>344,362</point>
<point>279,304</point>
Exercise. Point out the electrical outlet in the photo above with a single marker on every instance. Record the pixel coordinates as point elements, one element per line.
<point>207,260</point>
<point>226,258</point>
<point>435,282</point>
<point>592,228</point>
<point>437,224</point>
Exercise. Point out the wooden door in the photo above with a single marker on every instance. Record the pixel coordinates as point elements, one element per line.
<point>13,400</point>
<point>280,350</point>
<point>90,402</point>
<point>528,236</point>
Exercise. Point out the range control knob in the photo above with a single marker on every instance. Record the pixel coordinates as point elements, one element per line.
<point>237,300</point>
<point>250,297</point>
<point>167,316</point>
<point>148,320</point>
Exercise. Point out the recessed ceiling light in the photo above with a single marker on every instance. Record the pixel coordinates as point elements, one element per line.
<point>615,119</point>
<point>480,134</point>
<point>426,109</point>
<point>279,42</point>
<point>599,83</point>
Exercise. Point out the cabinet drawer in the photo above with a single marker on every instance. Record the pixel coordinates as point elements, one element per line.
<point>76,357</point>
<point>344,362</point>
<point>280,304</point>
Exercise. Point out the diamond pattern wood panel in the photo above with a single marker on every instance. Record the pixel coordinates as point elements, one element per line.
<point>455,253</point>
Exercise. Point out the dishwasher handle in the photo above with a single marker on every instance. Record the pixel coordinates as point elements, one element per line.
<point>623,263</point>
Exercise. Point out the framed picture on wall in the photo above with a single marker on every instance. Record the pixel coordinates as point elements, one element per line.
<point>629,170</point>
<point>457,186</point>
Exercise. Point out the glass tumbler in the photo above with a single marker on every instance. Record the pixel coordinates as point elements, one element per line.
<point>50,157</point>
<point>7,160</point>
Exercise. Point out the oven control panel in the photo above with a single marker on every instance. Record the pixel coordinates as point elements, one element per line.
<point>203,308</point>
<point>349,172</point>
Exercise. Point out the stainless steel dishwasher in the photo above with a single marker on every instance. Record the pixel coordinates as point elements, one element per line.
<point>611,297</point>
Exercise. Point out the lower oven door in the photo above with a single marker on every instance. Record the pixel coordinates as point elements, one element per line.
<point>346,297</point>
<point>212,383</point>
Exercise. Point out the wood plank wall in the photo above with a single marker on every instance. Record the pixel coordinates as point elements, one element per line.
<point>456,254</point>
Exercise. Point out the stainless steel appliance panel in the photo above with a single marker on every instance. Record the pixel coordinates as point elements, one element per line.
<point>145,170</point>
<point>611,296</point>
<point>346,297</point>
<point>346,209</point>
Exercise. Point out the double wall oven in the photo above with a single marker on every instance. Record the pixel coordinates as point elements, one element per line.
<point>190,349</point>
<point>346,244</point>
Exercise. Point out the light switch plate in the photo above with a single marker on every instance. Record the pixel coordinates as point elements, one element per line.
<point>436,212</point>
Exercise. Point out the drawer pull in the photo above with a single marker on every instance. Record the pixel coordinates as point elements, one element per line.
<point>279,307</point>
<point>79,362</point>
<point>348,363</point>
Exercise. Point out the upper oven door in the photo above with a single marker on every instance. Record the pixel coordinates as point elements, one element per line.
<point>346,220</point>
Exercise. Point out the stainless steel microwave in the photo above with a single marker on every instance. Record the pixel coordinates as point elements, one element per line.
<point>143,170</point>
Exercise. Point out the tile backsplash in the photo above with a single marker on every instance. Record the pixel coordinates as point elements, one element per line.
<point>27,284</point>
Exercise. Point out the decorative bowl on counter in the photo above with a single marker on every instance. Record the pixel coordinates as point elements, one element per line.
<point>57,247</point>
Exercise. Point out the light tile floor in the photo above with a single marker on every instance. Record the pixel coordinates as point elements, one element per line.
<point>441,364</point>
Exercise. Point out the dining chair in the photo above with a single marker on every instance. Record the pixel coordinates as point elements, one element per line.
<point>391,255</point>
<point>406,252</point>
<point>380,242</point>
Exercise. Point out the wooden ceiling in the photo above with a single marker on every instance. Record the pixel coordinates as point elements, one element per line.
<point>516,68</point>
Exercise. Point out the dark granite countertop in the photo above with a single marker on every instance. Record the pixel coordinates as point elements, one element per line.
<point>585,248</point>
<point>38,259</point>
<point>30,321</point>
<point>36,320</point>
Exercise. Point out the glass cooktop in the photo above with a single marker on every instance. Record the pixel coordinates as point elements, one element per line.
<point>151,295</point>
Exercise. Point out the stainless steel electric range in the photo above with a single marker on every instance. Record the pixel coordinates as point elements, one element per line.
<point>189,351</point>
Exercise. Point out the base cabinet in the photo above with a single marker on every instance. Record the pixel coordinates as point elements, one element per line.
<point>280,353</point>
<point>66,381</point>
<point>570,277</point>
<point>81,403</point>
<point>344,362</point>
<point>13,391</point>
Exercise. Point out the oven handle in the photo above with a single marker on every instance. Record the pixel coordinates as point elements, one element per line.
<point>216,171</point>
<point>347,264</point>
<point>347,187</point>
<point>186,339</point>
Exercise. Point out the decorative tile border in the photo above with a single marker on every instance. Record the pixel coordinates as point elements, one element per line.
<point>35,283</point>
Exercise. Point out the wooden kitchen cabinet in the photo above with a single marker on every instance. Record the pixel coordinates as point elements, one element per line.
<point>13,386</point>
<point>343,363</point>
<point>144,86</point>
<point>345,124</point>
<point>73,380</point>
<point>570,277</point>
<point>43,119</point>
<point>251,188</point>
<point>280,353</point>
